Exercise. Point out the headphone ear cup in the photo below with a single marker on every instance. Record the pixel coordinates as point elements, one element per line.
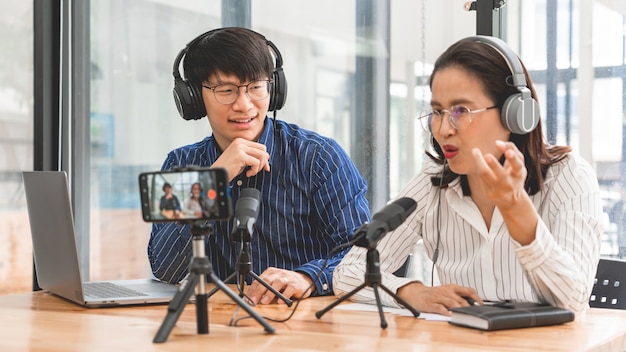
<point>520,113</point>
<point>278,94</point>
<point>188,99</point>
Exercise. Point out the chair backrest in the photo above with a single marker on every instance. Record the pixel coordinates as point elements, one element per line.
<point>405,269</point>
<point>609,288</point>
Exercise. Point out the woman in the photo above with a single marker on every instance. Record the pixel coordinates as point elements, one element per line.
<point>503,215</point>
<point>193,207</point>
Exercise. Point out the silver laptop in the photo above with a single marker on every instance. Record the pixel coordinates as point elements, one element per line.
<point>56,255</point>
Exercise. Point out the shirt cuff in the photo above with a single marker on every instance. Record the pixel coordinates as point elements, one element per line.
<point>323,285</point>
<point>393,284</point>
<point>538,251</point>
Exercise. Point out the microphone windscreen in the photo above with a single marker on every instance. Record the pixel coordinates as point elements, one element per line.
<point>387,219</point>
<point>395,213</point>
<point>248,204</point>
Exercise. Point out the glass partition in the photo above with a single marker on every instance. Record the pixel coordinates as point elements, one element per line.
<point>133,121</point>
<point>16,143</point>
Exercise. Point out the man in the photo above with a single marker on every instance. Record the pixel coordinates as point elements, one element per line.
<point>169,204</point>
<point>312,195</point>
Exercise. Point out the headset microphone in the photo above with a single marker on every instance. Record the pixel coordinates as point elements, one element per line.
<point>388,219</point>
<point>246,212</point>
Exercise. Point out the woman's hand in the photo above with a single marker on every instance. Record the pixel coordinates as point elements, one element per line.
<point>437,299</point>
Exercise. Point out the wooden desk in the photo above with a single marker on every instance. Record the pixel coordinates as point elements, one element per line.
<point>40,321</point>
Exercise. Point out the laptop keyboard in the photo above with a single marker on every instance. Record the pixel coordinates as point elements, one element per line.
<point>108,289</point>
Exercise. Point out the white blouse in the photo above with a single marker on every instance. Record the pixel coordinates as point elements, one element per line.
<point>558,267</point>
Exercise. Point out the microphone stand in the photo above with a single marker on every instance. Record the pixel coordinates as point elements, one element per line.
<point>199,270</point>
<point>372,279</point>
<point>243,236</point>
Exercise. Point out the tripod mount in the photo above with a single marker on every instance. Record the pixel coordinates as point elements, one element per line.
<point>199,271</point>
<point>372,279</point>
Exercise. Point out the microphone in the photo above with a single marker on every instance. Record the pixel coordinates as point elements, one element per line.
<point>246,212</point>
<point>388,219</point>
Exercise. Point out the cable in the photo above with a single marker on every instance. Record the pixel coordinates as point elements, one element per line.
<point>436,252</point>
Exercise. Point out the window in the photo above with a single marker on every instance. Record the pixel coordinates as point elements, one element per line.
<point>133,121</point>
<point>16,142</point>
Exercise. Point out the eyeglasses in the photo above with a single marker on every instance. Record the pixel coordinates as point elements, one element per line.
<point>459,116</point>
<point>228,93</point>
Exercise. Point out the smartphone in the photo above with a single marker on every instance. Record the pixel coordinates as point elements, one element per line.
<point>188,194</point>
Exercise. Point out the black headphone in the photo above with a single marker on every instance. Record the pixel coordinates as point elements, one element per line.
<point>520,112</point>
<point>188,97</point>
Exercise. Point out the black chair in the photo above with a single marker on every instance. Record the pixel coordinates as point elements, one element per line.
<point>609,288</point>
<point>403,271</point>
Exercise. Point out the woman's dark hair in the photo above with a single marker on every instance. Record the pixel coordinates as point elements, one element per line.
<point>166,185</point>
<point>487,65</point>
<point>231,51</point>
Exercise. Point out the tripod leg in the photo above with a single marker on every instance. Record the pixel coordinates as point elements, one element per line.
<point>202,318</point>
<point>218,283</point>
<point>401,301</point>
<point>228,280</point>
<point>273,290</point>
<point>319,313</point>
<point>383,321</point>
<point>175,308</point>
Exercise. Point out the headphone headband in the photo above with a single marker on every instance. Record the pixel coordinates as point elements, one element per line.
<point>188,97</point>
<point>517,72</point>
<point>520,112</point>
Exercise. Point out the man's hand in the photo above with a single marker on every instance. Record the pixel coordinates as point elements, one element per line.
<point>290,283</point>
<point>242,153</point>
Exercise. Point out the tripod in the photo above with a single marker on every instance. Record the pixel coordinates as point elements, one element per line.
<point>373,280</point>
<point>242,235</point>
<point>198,272</point>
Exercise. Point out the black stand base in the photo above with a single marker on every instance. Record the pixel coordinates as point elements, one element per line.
<point>199,270</point>
<point>372,279</point>
<point>245,268</point>
<point>242,282</point>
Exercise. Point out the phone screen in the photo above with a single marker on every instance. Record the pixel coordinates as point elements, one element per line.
<point>185,195</point>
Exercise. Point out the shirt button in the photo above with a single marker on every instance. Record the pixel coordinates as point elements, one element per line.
<point>239,182</point>
<point>325,287</point>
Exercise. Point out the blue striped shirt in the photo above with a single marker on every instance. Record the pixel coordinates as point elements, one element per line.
<point>312,200</point>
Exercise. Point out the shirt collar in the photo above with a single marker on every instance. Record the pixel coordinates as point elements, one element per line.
<point>456,186</point>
